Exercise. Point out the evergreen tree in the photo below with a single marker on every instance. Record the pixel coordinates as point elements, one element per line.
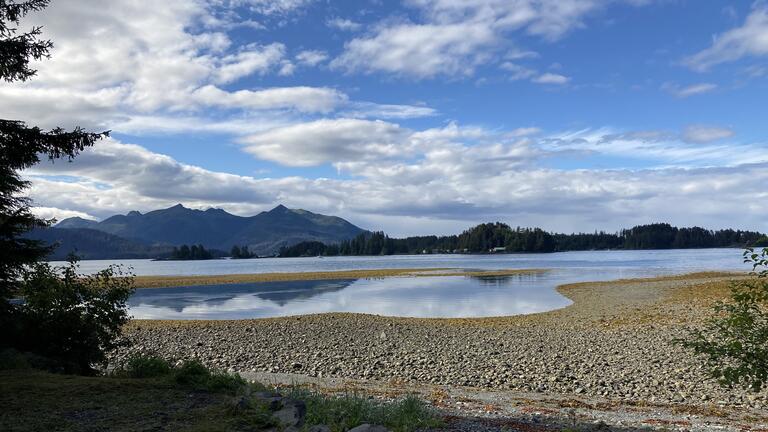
<point>21,146</point>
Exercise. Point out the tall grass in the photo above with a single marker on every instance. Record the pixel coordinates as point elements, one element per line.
<point>342,413</point>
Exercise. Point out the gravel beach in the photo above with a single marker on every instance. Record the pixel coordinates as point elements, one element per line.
<point>614,344</point>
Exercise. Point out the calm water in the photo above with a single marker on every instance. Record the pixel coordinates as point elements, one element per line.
<point>452,296</point>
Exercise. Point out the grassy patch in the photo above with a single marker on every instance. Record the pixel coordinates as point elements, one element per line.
<point>190,374</point>
<point>146,393</point>
<point>35,401</point>
<point>341,413</point>
<point>144,366</point>
<point>196,375</point>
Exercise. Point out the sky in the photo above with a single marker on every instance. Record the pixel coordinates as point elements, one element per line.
<point>413,116</point>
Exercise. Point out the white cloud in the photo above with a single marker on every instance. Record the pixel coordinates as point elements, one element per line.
<point>705,134</point>
<point>551,78</point>
<point>306,99</point>
<point>252,59</point>
<point>272,7</point>
<point>518,72</point>
<point>749,40</point>
<point>454,37</point>
<point>343,24</point>
<point>688,91</point>
<point>442,185</point>
<point>311,57</point>
<point>132,58</point>
<point>694,147</point>
<point>419,50</point>
<point>58,214</point>
<point>387,111</point>
<point>137,67</point>
<point>323,141</point>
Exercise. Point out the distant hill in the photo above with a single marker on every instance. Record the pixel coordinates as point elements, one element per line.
<point>264,233</point>
<point>93,244</point>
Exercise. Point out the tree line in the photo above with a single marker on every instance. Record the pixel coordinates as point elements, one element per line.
<point>241,252</point>
<point>500,237</point>
<point>194,252</point>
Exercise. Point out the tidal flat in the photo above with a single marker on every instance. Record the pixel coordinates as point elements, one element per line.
<point>613,345</point>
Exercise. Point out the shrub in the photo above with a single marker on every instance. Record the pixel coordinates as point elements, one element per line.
<point>70,318</point>
<point>194,374</point>
<point>346,412</point>
<point>144,366</point>
<point>735,339</point>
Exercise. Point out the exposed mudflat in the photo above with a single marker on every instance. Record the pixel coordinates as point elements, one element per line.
<point>611,351</point>
<point>175,281</point>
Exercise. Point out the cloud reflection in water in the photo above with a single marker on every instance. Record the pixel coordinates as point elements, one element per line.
<point>440,296</point>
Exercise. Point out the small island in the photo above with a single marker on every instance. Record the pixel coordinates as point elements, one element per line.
<point>189,253</point>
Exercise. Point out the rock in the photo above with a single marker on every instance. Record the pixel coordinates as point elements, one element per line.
<point>369,428</point>
<point>291,414</point>
<point>319,428</point>
<point>273,401</point>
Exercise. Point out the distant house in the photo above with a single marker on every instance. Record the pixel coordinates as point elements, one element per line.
<point>498,249</point>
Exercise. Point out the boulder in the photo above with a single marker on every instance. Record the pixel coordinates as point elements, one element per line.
<point>292,413</point>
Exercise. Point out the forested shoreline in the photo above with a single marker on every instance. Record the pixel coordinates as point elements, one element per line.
<point>501,238</point>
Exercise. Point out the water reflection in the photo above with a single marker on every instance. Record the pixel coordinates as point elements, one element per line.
<point>443,296</point>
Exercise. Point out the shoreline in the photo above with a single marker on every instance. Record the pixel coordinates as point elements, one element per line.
<point>612,347</point>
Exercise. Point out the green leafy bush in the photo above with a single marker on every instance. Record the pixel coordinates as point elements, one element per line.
<point>346,412</point>
<point>145,366</point>
<point>735,339</point>
<point>70,318</point>
<point>194,374</point>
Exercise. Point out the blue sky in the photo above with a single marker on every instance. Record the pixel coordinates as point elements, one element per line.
<point>420,116</point>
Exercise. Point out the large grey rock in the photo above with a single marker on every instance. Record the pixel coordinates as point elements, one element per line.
<point>369,428</point>
<point>292,414</point>
<point>319,428</point>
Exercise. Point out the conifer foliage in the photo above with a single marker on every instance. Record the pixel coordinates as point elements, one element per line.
<point>85,312</point>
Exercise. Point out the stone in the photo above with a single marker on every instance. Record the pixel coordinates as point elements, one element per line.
<point>319,428</point>
<point>273,401</point>
<point>291,414</point>
<point>365,427</point>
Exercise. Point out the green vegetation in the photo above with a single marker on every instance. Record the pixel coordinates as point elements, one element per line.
<point>143,366</point>
<point>69,318</point>
<point>241,252</point>
<point>147,393</point>
<point>735,339</point>
<point>36,401</point>
<point>345,412</point>
<point>21,147</point>
<point>499,237</point>
<point>194,374</point>
<point>195,252</point>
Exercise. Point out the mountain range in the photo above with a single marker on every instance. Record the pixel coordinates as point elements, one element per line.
<point>154,234</point>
